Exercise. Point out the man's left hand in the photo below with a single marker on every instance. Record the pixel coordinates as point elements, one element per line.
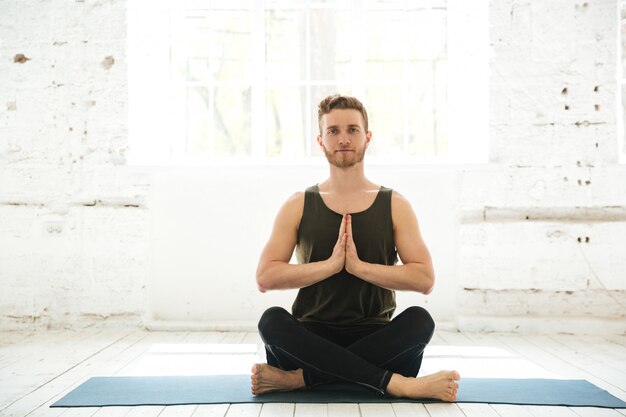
<point>352,257</point>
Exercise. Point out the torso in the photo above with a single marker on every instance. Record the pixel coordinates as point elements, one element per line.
<point>344,298</point>
<point>354,202</point>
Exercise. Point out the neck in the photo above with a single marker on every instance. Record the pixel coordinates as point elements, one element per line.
<point>346,180</point>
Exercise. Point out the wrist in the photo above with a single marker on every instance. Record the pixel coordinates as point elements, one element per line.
<point>332,267</point>
<point>356,268</point>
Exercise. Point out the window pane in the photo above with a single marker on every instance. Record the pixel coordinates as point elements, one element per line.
<point>441,107</point>
<point>197,69</point>
<point>285,47</point>
<point>384,4</point>
<point>190,58</point>
<point>331,37</point>
<point>229,46</point>
<point>198,119</point>
<point>211,5</point>
<point>421,140</point>
<point>231,122</point>
<point>285,4</point>
<point>427,118</point>
<point>214,47</point>
<point>385,112</point>
<point>385,45</point>
<point>285,121</point>
<point>420,112</point>
<point>624,117</point>
<point>427,35</point>
<point>623,28</point>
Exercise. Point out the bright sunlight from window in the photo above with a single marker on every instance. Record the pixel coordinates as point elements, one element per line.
<point>236,81</point>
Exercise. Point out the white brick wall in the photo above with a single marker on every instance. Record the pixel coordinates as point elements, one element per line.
<point>555,179</point>
<point>74,218</point>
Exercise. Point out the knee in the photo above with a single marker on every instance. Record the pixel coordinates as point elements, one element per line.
<point>421,322</point>
<point>272,319</point>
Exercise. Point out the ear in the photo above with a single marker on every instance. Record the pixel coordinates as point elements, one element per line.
<point>319,140</point>
<point>368,137</point>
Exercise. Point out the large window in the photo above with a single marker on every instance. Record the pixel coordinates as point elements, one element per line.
<point>232,81</point>
<point>622,77</point>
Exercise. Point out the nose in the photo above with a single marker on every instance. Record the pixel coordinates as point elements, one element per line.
<point>344,139</point>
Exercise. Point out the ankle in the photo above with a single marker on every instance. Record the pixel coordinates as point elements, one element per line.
<point>396,384</point>
<point>297,379</point>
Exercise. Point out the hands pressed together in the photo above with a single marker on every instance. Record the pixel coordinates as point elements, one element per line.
<point>344,253</point>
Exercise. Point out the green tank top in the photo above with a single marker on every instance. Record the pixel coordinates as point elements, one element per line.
<point>344,299</point>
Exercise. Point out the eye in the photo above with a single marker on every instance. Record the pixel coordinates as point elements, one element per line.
<point>332,131</point>
<point>354,129</point>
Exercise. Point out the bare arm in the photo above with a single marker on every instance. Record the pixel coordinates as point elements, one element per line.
<point>274,271</point>
<point>416,272</point>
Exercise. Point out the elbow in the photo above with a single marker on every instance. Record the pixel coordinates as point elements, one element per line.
<point>263,284</point>
<point>429,285</point>
<point>267,278</point>
<point>422,280</point>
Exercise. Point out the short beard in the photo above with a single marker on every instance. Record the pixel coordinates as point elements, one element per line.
<point>344,163</point>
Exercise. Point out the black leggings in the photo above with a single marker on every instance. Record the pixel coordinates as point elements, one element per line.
<point>367,355</point>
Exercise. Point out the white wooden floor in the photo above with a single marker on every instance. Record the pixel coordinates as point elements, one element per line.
<point>37,368</point>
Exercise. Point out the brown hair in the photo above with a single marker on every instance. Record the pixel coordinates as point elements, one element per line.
<point>340,102</point>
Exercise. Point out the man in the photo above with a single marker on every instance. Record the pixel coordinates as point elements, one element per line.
<point>347,233</point>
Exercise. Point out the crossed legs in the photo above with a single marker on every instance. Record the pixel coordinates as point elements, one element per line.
<point>384,358</point>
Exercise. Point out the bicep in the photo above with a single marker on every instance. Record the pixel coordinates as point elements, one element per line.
<point>409,242</point>
<point>284,234</point>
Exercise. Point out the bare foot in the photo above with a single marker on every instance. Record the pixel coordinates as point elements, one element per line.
<point>441,385</point>
<point>266,378</point>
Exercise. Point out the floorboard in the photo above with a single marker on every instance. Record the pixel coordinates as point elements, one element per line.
<point>376,410</point>
<point>311,410</point>
<point>37,368</point>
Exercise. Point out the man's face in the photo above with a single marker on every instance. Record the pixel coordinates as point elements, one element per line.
<point>344,139</point>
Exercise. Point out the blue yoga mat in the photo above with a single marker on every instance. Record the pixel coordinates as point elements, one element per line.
<point>220,389</point>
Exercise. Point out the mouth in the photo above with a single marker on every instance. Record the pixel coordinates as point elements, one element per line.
<point>344,150</point>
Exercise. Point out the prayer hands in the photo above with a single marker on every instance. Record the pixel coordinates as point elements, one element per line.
<point>344,253</point>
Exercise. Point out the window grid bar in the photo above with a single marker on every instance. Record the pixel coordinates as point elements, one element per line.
<point>307,89</point>
<point>303,83</point>
<point>405,71</point>
<point>621,125</point>
<point>358,50</point>
<point>434,110</point>
<point>257,86</point>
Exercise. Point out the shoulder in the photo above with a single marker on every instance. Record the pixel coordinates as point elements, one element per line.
<point>401,210</point>
<point>291,211</point>
<point>399,201</point>
<point>294,204</point>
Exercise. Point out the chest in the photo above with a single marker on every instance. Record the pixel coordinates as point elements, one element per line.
<point>351,203</point>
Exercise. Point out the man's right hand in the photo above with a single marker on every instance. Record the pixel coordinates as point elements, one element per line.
<point>337,259</point>
<point>275,272</point>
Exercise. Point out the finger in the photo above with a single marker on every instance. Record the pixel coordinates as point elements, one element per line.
<point>340,246</point>
<point>342,228</point>
<point>349,225</point>
<point>349,228</point>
